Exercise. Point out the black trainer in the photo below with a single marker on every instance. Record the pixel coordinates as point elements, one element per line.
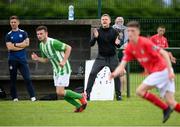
<point>118,98</point>
<point>88,97</point>
<point>166,114</point>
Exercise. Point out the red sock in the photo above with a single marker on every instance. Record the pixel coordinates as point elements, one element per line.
<point>155,100</point>
<point>177,108</point>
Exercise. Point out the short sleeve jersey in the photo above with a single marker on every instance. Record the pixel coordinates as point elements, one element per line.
<point>160,41</point>
<point>146,53</point>
<point>16,37</point>
<point>54,50</point>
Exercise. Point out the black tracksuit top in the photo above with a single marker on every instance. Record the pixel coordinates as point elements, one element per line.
<point>106,41</point>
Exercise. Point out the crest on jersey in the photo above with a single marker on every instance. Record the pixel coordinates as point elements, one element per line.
<point>20,35</point>
<point>155,48</point>
<point>12,37</point>
<point>133,52</point>
<point>142,51</point>
<point>10,67</point>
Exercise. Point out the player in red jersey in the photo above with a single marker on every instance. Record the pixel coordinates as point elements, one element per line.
<point>156,61</point>
<point>161,41</point>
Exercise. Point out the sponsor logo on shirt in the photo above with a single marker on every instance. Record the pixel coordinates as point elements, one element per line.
<point>20,35</point>
<point>155,48</point>
<point>144,59</point>
<point>142,51</point>
<point>133,52</point>
<point>10,67</point>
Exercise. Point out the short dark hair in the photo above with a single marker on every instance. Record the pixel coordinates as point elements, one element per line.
<point>106,15</point>
<point>162,26</point>
<point>133,24</point>
<point>14,17</point>
<point>42,28</point>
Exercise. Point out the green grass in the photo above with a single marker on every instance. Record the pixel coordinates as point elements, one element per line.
<point>131,111</point>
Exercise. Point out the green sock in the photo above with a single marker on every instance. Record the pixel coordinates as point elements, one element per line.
<point>72,101</point>
<point>72,94</point>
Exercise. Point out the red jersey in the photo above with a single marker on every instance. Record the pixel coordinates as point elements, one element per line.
<point>146,53</point>
<point>160,41</point>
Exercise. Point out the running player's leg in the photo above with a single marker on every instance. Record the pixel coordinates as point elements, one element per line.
<point>169,96</point>
<point>61,92</point>
<point>75,95</point>
<point>69,95</point>
<point>143,91</point>
<point>168,93</point>
<point>13,78</point>
<point>154,80</point>
<point>24,69</point>
<point>63,81</point>
<point>177,107</point>
<point>159,80</point>
<point>97,66</point>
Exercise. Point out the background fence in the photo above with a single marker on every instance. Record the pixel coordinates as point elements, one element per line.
<point>150,14</point>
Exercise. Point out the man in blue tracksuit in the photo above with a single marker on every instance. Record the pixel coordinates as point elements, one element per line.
<point>16,41</point>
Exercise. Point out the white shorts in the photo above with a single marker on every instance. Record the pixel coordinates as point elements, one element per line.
<point>161,81</point>
<point>62,80</point>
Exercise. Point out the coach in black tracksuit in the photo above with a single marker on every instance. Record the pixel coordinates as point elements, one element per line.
<point>106,38</point>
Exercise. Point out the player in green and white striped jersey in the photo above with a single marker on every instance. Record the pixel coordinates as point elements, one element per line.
<point>58,53</point>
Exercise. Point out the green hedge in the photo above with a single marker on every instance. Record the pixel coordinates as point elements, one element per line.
<point>43,9</point>
<point>150,13</point>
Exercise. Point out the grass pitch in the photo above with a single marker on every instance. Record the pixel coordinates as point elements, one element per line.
<point>129,112</point>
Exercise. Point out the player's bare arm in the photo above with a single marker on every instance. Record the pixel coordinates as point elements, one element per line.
<point>119,70</point>
<point>11,47</point>
<point>66,55</point>
<point>168,61</point>
<point>35,57</point>
<point>23,44</point>
<point>172,58</point>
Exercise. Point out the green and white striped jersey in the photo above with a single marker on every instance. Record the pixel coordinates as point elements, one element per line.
<point>54,50</point>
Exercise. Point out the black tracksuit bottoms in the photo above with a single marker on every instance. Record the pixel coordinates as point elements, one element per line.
<point>23,67</point>
<point>100,62</point>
